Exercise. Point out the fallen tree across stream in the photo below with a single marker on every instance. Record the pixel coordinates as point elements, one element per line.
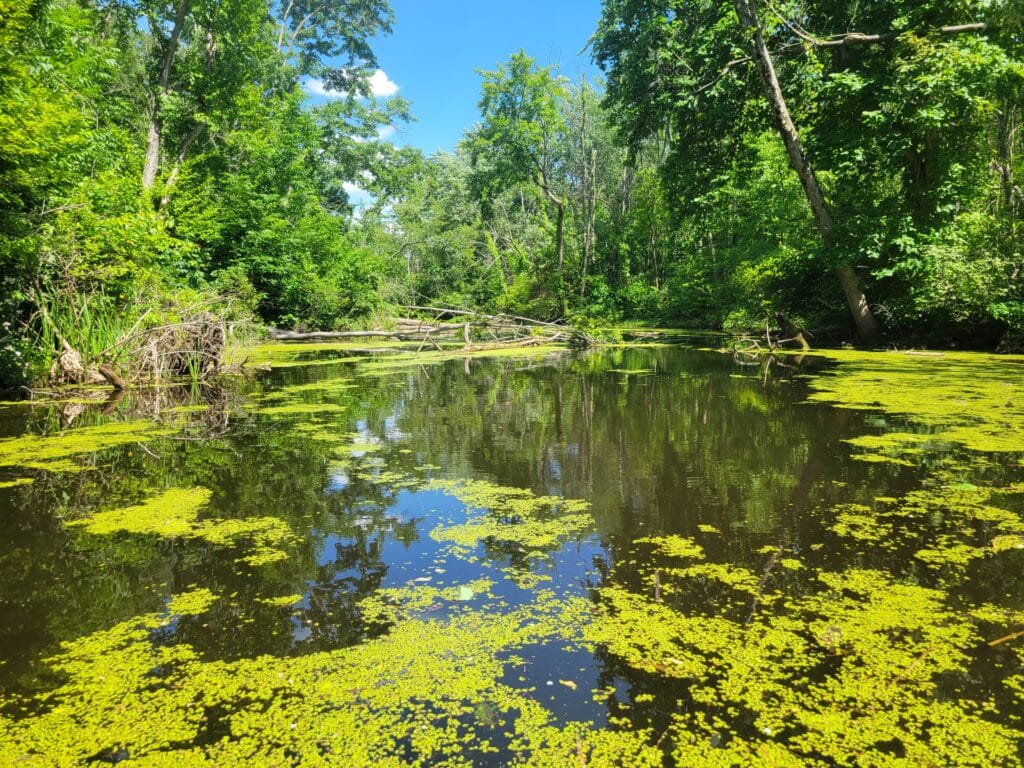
<point>474,329</point>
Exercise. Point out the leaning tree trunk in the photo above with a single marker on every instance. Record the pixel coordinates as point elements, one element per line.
<point>867,326</point>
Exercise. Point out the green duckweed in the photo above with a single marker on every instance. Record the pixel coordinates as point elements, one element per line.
<point>946,527</point>
<point>675,546</point>
<point>969,399</point>
<point>428,693</point>
<point>54,453</point>
<point>285,601</point>
<point>848,674</point>
<point>399,355</point>
<point>191,603</point>
<point>524,526</point>
<point>175,514</point>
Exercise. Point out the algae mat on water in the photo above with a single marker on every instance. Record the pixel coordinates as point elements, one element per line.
<point>414,697</point>
<point>174,515</point>
<point>55,453</point>
<point>378,356</point>
<point>429,692</point>
<point>855,639</point>
<point>966,398</point>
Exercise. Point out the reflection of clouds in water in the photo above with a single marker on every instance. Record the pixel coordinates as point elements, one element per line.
<point>338,482</point>
<point>392,432</point>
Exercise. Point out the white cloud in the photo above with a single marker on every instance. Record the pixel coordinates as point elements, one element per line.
<point>381,86</point>
<point>358,198</point>
<point>315,87</point>
<point>386,132</point>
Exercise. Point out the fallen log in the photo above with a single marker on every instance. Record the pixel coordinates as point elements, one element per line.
<point>441,311</point>
<point>278,335</point>
<point>107,372</point>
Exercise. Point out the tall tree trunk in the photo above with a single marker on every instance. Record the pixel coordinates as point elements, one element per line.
<point>560,251</point>
<point>172,177</point>
<point>1006,128</point>
<point>867,326</point>
<point>152,162</point>
<point>590,239</point>
<point>542,181</point>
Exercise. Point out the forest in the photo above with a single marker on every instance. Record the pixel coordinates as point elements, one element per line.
<point>672,416</point>
<point>853,167</point>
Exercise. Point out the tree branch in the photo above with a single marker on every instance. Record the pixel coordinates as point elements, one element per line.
<point>835,41</point>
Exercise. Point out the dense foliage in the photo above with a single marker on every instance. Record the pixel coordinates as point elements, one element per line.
<point>914,134</point>
<point>155,156</point>
<point>159,156</point>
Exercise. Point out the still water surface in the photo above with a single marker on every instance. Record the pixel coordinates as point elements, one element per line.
<point>369,468</point>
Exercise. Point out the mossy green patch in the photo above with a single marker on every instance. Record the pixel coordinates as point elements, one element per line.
<point>404,360</point>
<point>970,399</point>
<point>175,514</point>
<point>857,521</point>
<point>945,527</point>
<point>323,388</point>
<point>285,601</point>
<point>390,605</point>
<point>278,354</point>
<point>881,458</point>
<point>54,453</point>
<point>191,603</point>
<point>675,546</point>
<point>400,354</point>
<point>1003,543</point>
<point>832,675</point>
<point>428,693</point>
<point>512,522</point>
<point>302,409</point>
<point>172,514</point>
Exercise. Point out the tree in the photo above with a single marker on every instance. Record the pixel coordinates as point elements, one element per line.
<point>746,11</point>
<point>875,108</point>
<point>520,109</point>
<point>214,50</point>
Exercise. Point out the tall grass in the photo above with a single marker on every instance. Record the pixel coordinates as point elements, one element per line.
<point>154,338</point>
<point>91,323</point>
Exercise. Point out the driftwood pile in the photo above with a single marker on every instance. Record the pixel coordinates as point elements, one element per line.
<point>786,335</point>
<point>191,348</point>
<point>475,330</point>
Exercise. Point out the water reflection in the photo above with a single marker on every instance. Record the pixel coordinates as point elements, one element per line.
<point>657,440</point>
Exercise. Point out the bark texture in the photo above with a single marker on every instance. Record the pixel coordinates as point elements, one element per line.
<point>867,326</point>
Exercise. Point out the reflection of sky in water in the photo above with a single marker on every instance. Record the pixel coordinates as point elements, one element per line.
<point>694,445</point>
<point>338,482</point>
<point>425,562</point>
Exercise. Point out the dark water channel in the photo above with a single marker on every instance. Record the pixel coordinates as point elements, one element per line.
<point>660,441</point>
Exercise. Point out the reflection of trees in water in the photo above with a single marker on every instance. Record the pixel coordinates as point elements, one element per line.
<point>684,445</point>
<point>333,614</point>
<point>56,584</point>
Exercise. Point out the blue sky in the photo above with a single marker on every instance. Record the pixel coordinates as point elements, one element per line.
<point>437,45</point>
